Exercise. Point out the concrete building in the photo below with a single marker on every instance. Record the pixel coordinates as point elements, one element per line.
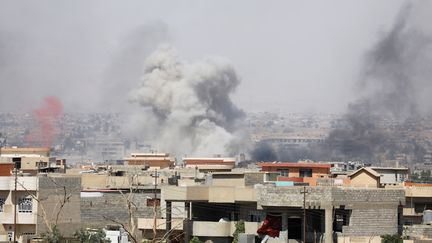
<point>418,199</point>
<point>27,160</point>
<point>159,160</point>
<point>40,202</point>
<point>392,175</point>
<point>209,164</point>
<point>298,172</point>
<point>334,213</point>
<point>365,177</point>
<point>211,211</point>
<point>110,200</point>
<point>106,150</point>
<point>30,161</point>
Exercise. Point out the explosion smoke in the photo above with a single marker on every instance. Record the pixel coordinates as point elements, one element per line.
<point>395,77</point>
<point>46,117</point>
<point>187,105</point>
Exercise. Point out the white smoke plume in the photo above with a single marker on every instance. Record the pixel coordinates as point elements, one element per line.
<point>187,106</point>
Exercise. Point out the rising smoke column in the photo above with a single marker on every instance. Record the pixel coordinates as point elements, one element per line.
<point>45,117</point>
<point>187,106</point>
<point>396,69</point>
<point>394,88</point>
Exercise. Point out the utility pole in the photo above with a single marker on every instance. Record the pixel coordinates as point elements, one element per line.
<point>154,205</point>
<point>304,213</point>
<point>15,199</point>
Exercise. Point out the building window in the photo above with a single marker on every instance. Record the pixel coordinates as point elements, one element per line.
<point>256,216</point>
<point>152,201</point>
<point>283,172</point>
<point>25,205</point>
<point>2,203</point>
<point>305,172</point>
<point>270,177</point>
<point>342,217</point>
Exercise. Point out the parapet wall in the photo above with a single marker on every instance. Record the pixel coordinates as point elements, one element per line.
<point>324,197</point>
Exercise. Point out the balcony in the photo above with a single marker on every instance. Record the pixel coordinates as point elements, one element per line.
<point>7,183</point>
<point>418,192</point>
<point>221,229</point>
<point>147,224</point>
<point>219,194</point>
<point>200,228</point>
<point>410,212</point>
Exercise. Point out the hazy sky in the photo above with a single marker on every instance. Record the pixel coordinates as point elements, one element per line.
<point>290,55</point>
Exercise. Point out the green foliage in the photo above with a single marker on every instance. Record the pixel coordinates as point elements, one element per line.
<point>52,237</point>
<point>91,236</point>
<point>195,240</point>
<point>391,239</point>
<point>239,228</point>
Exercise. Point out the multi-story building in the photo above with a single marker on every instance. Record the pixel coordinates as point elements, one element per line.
<point>297,172</point>
<point>324,213</point>
<point>36,204</point>
<point>29,160</point>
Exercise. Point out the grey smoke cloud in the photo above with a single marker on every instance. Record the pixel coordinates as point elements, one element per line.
<point>187,105</point>
<point>127,65</point>
<point>83,51</point>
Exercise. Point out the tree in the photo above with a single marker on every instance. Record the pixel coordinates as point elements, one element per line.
<point>53,236</point>
<point>52,205</point>
<point>130,227</point>
<point>391,239</point>
<point>239,228</point>
<point>195,240</point>
<point>91,236</point>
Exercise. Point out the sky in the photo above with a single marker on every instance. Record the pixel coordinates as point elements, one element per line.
<point>291,56</point>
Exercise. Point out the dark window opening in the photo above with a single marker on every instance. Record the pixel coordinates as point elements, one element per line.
<point>420,207</point>
<point>305,172</point>
<point>341,219</point>
<point>17,162</point>
<point>283,172</point>
<point>294,228</point>
<point>151,202</point>
<point>256,216</point>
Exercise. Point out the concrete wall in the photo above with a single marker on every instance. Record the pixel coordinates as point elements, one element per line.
<point>221,229</point>
<point>364,179</point>
<point>95,181</point>
<point>209,193</point>
<point>228,182</point>
<point>419,192</point>
<point>252,179</point>
<point>51,191</point>
<point>29,163</point>
<point>99,211</point>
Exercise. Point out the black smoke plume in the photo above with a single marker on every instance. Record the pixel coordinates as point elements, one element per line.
<point>378,126</point>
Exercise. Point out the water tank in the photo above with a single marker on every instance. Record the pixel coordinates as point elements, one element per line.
<point>427,217</point>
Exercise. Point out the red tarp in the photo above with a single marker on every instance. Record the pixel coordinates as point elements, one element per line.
<point>271,226</point>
